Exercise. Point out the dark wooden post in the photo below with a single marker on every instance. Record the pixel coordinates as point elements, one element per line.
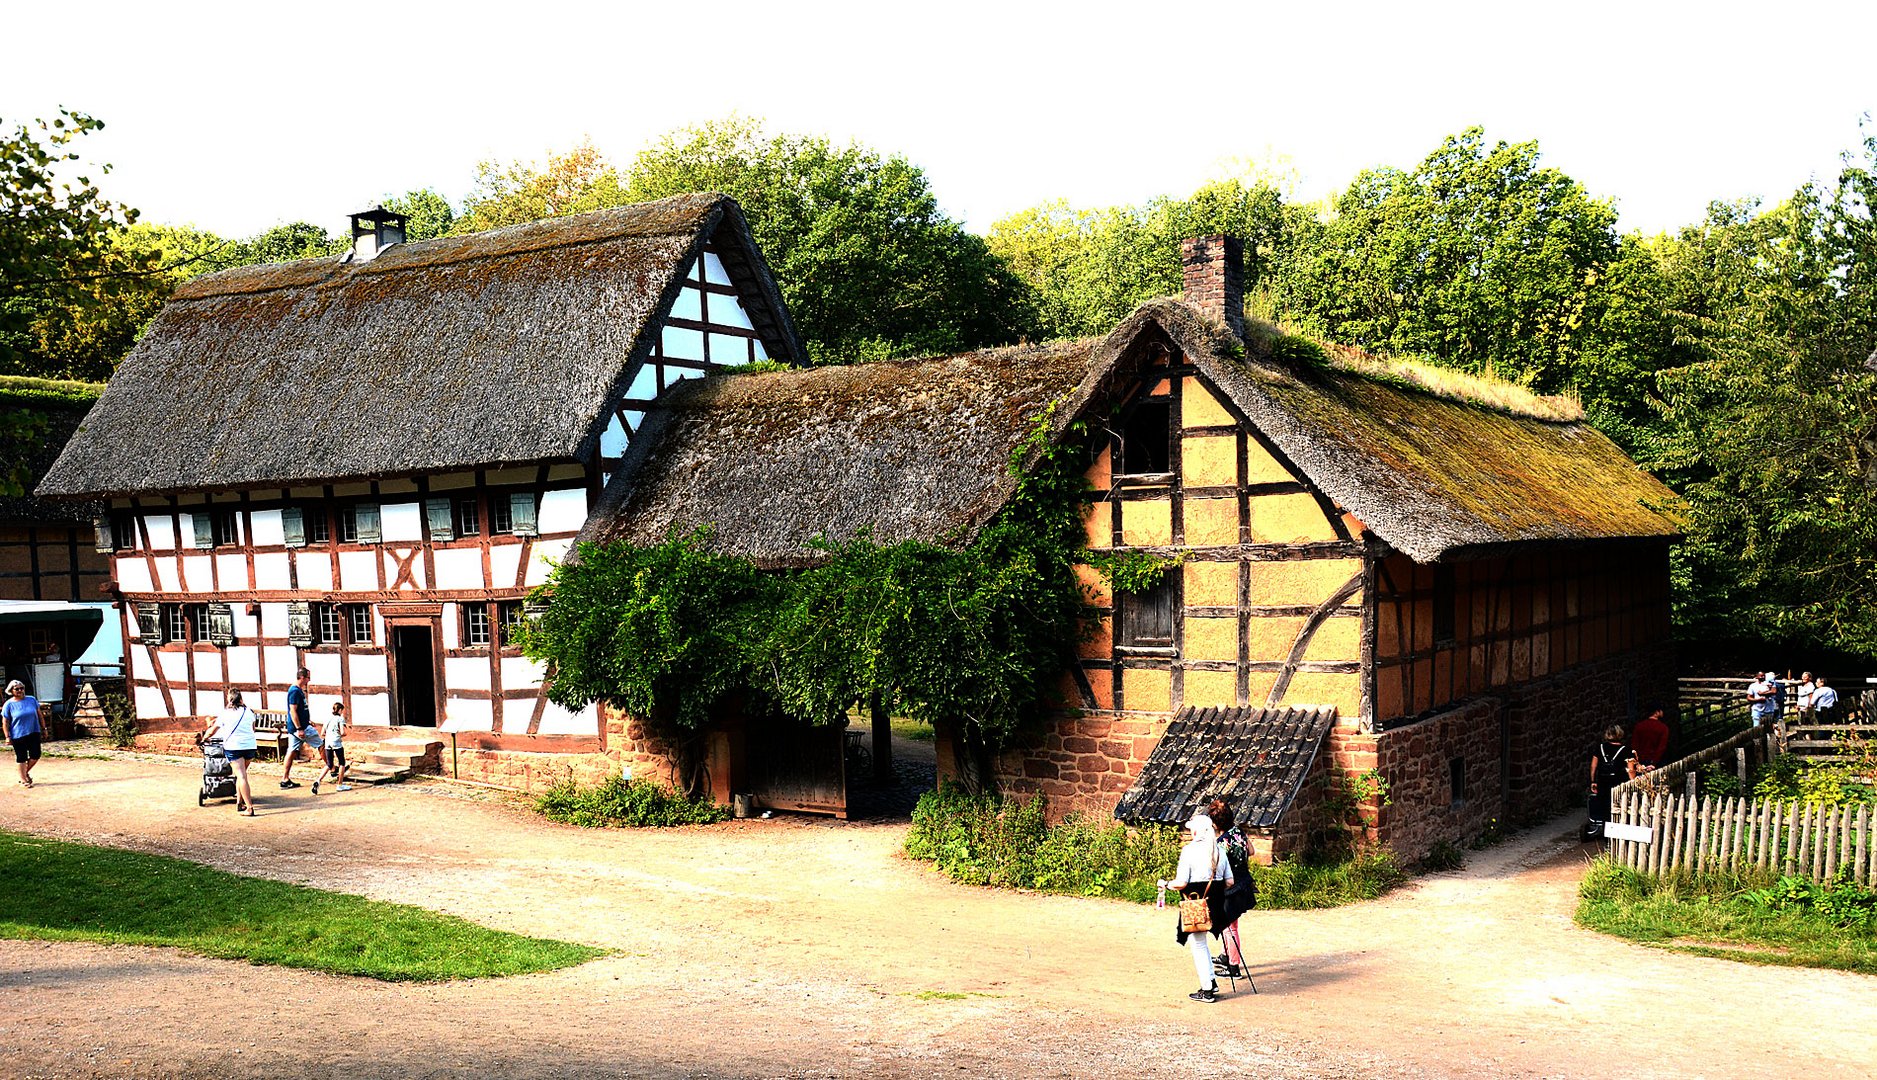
<point>882,741</point>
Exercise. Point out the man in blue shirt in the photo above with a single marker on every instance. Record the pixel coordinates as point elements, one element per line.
<point>20,717</point>
<point>300,729</point>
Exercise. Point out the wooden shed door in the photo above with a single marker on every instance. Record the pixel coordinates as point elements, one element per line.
<point>798,766</point>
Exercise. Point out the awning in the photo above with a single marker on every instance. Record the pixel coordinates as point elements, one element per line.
<point>1257,758</point>
<point>41,612</point>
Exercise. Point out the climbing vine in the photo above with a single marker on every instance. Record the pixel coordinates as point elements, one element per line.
<point>972,638</point>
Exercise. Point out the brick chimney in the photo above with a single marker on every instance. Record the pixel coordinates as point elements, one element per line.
<point>1215,278</point>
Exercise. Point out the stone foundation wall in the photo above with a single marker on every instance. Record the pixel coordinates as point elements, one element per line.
<point>526,771</point>
<point>1417,763</point>
<point>1080,764</point>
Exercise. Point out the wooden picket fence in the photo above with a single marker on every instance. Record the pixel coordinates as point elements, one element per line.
<point>1690,834</point>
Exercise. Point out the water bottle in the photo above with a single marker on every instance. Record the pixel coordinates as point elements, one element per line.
<point>1160,897</point>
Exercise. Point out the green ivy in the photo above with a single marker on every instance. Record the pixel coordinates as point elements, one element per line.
<point>971,639</point>
<point>1131,571</point>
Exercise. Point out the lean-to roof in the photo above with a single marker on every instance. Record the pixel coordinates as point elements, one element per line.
<point>918,449</point>
<point>498,347</point>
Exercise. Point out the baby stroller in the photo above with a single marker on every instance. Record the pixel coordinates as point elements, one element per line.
<point>218,773</point>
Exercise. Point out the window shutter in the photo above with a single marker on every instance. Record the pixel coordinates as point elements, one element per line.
<point>521,512</point>
<point>365,519</point>
<point>205,529</point>
<point>221,624</point>
<point>149,623</point>
<point>438,513</point>
<point>106,540</point>
<point>293,526</point>
<point>300,624</point>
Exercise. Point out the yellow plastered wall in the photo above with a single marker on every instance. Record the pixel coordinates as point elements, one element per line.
<point>1273,636</point>
<point>1095,584</point>
<point>1289,519</point>
<point>1343,690</point>
<point>1310,581</point>
<point>1209,461</point>
<point>1337,639</point>
<point>1211,689</point>
<point>1211,584</point>
<point>1100,525</point>
<point>1211,639</point>
<point>1147,522</point>
<point>1262,468</point>
<point>1147,690</point>
<point>1198,408</point>
<point>1211,522</point>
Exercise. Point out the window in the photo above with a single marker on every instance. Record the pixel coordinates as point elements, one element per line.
<point>358,623</point>
<point>475,625</point>
<point>501,515</point>
<point>468,521</point>
<point>513,514</point>
<point>510,614</point>
<point>1444,594</point>
<point>198,622</point>
<point>358,523</point>
<point>1146,618</point>
<point>175,623</point>
<point>123,531</point>
<point>318,526</point>
<point>1147,438</point>
<point>1456,780</point>
<point>227,531</point>
<point>327,620</point>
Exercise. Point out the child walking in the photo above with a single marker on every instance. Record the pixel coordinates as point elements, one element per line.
<point>332,733</point>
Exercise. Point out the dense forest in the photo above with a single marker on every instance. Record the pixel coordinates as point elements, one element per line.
<point>1733,357</point>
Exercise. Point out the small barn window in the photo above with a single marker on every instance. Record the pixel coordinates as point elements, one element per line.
<point>328,624</point>
<point>358,621</point>
<point>468,520</point>
<point>509,615</point>
<point>117,532</point>
<point>475,625</point>
<point>318,526</point>
<point>175,623</point>
<point>203,526</point>
<point>1146,618</point>
<point>226,527</point>
<point>501,515</point>
<point>1444,599</point>
<point>358,523</point>
<point>1456,780</point>
<point>1147,438</point>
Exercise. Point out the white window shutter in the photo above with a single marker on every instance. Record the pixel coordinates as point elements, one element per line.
<point>521,513</point>
<point>149,623</point>
<point>437,513</point>
<point>293,526</point>
<point>204,529</point>
<point>106,540</point>
<point>221,624</point>
<point>365,516</point>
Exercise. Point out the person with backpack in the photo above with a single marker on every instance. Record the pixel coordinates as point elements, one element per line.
<point>1204,875</point>
<point>1242,896</point>
<point>235,728</point>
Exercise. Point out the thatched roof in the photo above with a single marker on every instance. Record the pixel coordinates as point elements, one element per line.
<point>914,449</point>
<point>918,449</point>
<point>500,347</point>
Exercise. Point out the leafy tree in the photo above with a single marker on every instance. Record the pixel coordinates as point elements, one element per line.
<point>571,183</point>
<point>1481,259</point>
<point>866,260</point>
<point>426,214</point>
<point>58,263</point>
<point>1770,431</point>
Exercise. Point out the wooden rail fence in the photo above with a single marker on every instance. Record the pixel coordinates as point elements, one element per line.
<point>1703,834</point>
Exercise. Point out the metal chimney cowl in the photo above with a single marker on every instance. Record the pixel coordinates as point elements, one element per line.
<point>375,230</point>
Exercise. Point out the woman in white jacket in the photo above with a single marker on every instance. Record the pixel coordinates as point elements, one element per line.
<point>1204,871</point>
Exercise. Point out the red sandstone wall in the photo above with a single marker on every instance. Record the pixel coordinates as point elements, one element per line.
<point>1080,764</point>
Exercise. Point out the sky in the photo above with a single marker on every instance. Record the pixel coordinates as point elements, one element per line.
<point>237,117</point>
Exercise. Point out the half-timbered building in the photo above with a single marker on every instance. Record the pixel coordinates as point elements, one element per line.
<point>362,464</point>
<point>1447,589</point>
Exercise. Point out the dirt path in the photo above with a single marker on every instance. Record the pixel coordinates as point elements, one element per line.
<point>803,947</point>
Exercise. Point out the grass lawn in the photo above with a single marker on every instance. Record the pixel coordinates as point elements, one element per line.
<point>1717,917</point>
<point>912,729</point>
<point>59,891</point>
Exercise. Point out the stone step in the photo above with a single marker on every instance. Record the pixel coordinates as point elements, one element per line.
<point>394,758</point>
<point>367,773</point>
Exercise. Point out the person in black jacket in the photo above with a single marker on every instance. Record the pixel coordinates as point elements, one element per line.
<point>1242,896</point>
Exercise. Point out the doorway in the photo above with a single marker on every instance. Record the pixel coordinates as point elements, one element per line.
<point>414,673</point>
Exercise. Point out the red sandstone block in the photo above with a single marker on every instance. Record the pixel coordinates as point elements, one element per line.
<point>1034,768</point>
<point>1114,748</point>
<point>1079,745</point>
<point>1144,749</point>
<point>1092,763</point>
<point>1095,729</point>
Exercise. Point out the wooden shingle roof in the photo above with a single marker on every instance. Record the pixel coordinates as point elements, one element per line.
<point>1256,758</point>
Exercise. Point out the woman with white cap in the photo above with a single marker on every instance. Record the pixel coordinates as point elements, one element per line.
<point>21,713</point>
<point>1204,872</point>
<point>235,728</point>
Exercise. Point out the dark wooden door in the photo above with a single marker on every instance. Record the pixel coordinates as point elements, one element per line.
<point>798,766</point>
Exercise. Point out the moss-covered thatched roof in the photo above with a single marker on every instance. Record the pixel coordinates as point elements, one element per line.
<point>500,347</point>
<point>918,449</point>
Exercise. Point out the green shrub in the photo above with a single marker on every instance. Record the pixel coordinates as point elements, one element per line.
<point>622,802</point>
<point>119,716</point>
<point>1719,780</point>
<point>1444,855</point>
<point>987,840</point>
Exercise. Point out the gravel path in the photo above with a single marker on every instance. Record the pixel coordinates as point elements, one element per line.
<point>807,947</point>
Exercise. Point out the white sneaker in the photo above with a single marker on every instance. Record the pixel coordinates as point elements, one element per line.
<point>343,787</point>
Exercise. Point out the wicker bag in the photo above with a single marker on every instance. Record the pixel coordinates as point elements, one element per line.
<point>1196,915</point>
